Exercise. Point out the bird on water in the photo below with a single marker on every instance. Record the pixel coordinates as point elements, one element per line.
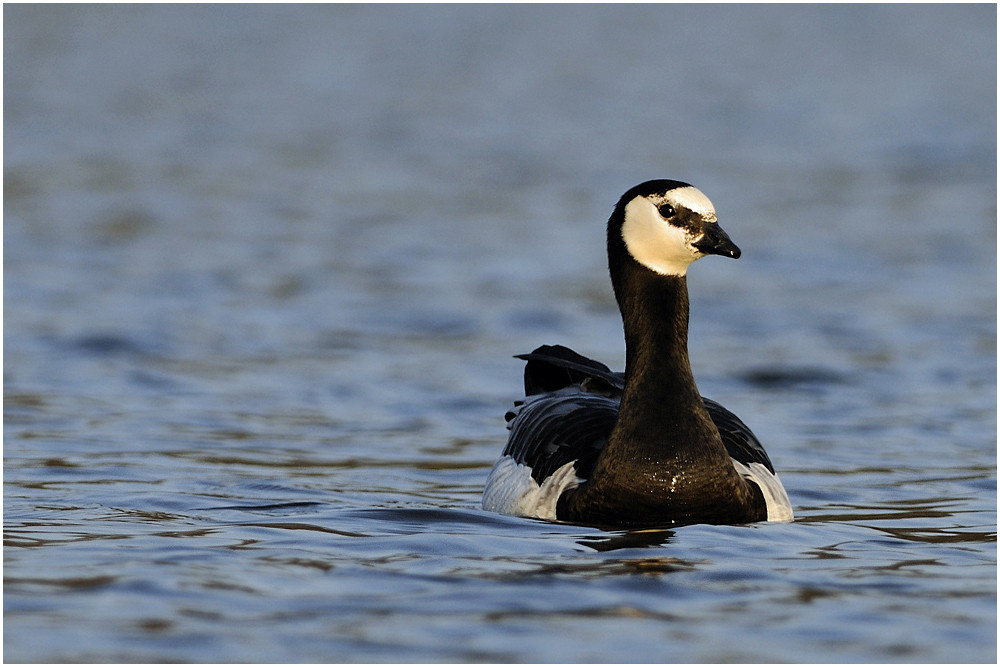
<point>641,448</point>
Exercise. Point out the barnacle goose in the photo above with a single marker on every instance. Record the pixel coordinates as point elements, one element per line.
<point>643,447</point>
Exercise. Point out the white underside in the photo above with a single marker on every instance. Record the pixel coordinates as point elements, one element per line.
<point>510,489</point>
<point>779,507</point>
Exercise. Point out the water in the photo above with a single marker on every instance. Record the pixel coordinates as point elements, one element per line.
<point>265,269</point>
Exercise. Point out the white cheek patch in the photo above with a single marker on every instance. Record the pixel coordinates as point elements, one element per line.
<point>653,242</point>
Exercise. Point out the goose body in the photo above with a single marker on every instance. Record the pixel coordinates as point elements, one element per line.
<point>643,447</point>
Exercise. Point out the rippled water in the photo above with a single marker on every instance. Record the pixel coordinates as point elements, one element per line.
<point>265,269</point>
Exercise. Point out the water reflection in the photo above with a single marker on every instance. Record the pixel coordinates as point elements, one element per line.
<point>653,565</point>
<point>637,539</point>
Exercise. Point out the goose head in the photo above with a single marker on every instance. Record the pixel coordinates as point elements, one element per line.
<point>667,225</point>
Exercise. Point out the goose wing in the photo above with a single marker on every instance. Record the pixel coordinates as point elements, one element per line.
<point>751,461</point>
<point>555,439</point>
<point>553,429</point>
<point>739,440</point>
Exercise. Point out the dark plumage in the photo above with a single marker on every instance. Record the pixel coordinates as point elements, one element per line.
<point>642,447</point>
<point>554,367</point>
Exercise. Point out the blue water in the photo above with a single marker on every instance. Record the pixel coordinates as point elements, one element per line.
<point>265,268</point>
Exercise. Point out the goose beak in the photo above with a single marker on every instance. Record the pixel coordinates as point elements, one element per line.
<point>715,241</point>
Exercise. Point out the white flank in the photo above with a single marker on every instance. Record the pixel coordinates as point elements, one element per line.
<point>779,507</point>
<point>510,489</point>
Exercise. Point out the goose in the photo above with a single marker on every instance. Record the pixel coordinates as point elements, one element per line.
<point>641,448</point>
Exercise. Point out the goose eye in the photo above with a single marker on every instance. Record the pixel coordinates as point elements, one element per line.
<point>666,210</point>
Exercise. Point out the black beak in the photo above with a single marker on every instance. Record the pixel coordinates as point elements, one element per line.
<point>717,242</point>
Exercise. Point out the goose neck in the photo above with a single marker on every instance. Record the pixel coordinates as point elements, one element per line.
<point>655,312</point>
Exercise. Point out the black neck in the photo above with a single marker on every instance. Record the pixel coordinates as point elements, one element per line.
<point>655,311</point>
<point>660,395</point>
<point>665,457</point>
